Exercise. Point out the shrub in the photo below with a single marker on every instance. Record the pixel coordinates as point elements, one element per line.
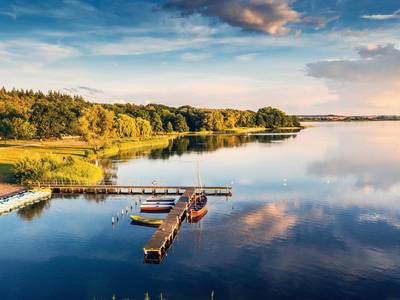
<point>51,168</point>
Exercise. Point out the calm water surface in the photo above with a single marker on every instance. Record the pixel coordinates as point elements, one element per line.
<point>314,215</point>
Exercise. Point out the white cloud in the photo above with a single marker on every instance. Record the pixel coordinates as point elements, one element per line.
<point>146,45</point>
<point>381,17</point>
<point>370,83</point>
<point>26,52</point>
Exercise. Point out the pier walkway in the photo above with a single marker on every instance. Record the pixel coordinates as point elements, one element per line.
<point>156,248</point>
<point>132,189</point>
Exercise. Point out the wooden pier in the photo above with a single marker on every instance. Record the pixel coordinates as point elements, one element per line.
<point>132,189</point>
<point>156,248</point>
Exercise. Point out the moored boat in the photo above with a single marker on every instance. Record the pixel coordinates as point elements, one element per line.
<point>172,203</point>
<point>160,199</point>
<point>198,207</point>
<point>155,208</point>
<point>147,220</point>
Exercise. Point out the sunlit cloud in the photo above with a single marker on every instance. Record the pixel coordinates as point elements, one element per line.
<point>269,16</point>
<point>371,81</point>
<point>270,221</point>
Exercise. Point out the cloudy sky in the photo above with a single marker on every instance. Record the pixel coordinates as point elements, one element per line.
<point>304,56</point>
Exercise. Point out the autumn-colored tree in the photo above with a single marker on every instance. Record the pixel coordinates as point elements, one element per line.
<point>96,125</point>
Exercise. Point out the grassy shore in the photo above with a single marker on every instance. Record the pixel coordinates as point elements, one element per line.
<point>12,151</point>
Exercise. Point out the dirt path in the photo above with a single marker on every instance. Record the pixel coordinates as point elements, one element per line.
<point>10,189</point>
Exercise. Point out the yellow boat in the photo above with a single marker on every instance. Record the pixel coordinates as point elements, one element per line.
<point>147,220</point>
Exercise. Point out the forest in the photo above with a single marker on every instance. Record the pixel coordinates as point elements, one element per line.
<point>26,114</point>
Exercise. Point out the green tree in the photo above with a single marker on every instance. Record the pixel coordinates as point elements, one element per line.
<point>180,124</point>
<point>170,128</point>
<point>144,128</point>
<point>125,126</point>
<point>213,120</point>
<point>22,129</point>
<point>96,126</point>
<point>6,128</point>
<point>156,123</point>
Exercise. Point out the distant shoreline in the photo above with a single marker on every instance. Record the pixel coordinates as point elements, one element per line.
<point>335,118</point>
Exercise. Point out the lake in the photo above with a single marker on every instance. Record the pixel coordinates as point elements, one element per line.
<point>314,215</point>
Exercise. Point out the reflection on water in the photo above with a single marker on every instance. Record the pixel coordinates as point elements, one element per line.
<point>314,215</point>
<point>33,211</point>
<point>372,159</point>
<point>206,143</point>
<point>187,144</point>
<point>270,221</point>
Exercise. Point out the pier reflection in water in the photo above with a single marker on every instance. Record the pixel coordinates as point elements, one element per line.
<point>314,215</point>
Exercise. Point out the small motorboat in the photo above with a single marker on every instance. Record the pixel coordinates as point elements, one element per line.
<point>160,199</point>
<point>155,208</point>
<point>147,220</point>
<point>198,207</point>
<point>172,203</point>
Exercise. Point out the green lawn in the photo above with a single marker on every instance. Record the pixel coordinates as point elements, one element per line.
<point>11,151</point>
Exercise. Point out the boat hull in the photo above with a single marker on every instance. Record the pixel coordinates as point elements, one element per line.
<point>146,221</point>
<point>160,199</point>
<point>155,209</point>
<point>199,208</point>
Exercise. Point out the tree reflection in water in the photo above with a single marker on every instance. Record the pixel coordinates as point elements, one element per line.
<point>33,211</point>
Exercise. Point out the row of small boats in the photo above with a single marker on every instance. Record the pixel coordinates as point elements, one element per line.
<point>157,204</point>
<point>22,199</point>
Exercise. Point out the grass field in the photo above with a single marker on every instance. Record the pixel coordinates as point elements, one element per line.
<point>11,150</point>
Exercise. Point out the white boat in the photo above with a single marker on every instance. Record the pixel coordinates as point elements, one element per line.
<point>159,203</point>
<point>155,208</point>
<point>160,199</point>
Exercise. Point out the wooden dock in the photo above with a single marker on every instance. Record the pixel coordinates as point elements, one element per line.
<point>156,248</point>
<point>132,189</point>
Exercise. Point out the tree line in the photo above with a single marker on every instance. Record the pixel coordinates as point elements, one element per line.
<point>26,114</point>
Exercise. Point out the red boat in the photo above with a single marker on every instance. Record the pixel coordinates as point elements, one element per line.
<point>198,208</point>
<point>155,208</point>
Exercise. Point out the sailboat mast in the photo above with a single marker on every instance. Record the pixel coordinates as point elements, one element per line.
<point>199,183</point>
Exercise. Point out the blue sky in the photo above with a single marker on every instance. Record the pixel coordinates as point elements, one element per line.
<point>304,56</point>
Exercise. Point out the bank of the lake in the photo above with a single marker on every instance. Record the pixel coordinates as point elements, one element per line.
<point>12,151</point>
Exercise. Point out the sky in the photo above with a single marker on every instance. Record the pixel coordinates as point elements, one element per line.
<point>302,56</point>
